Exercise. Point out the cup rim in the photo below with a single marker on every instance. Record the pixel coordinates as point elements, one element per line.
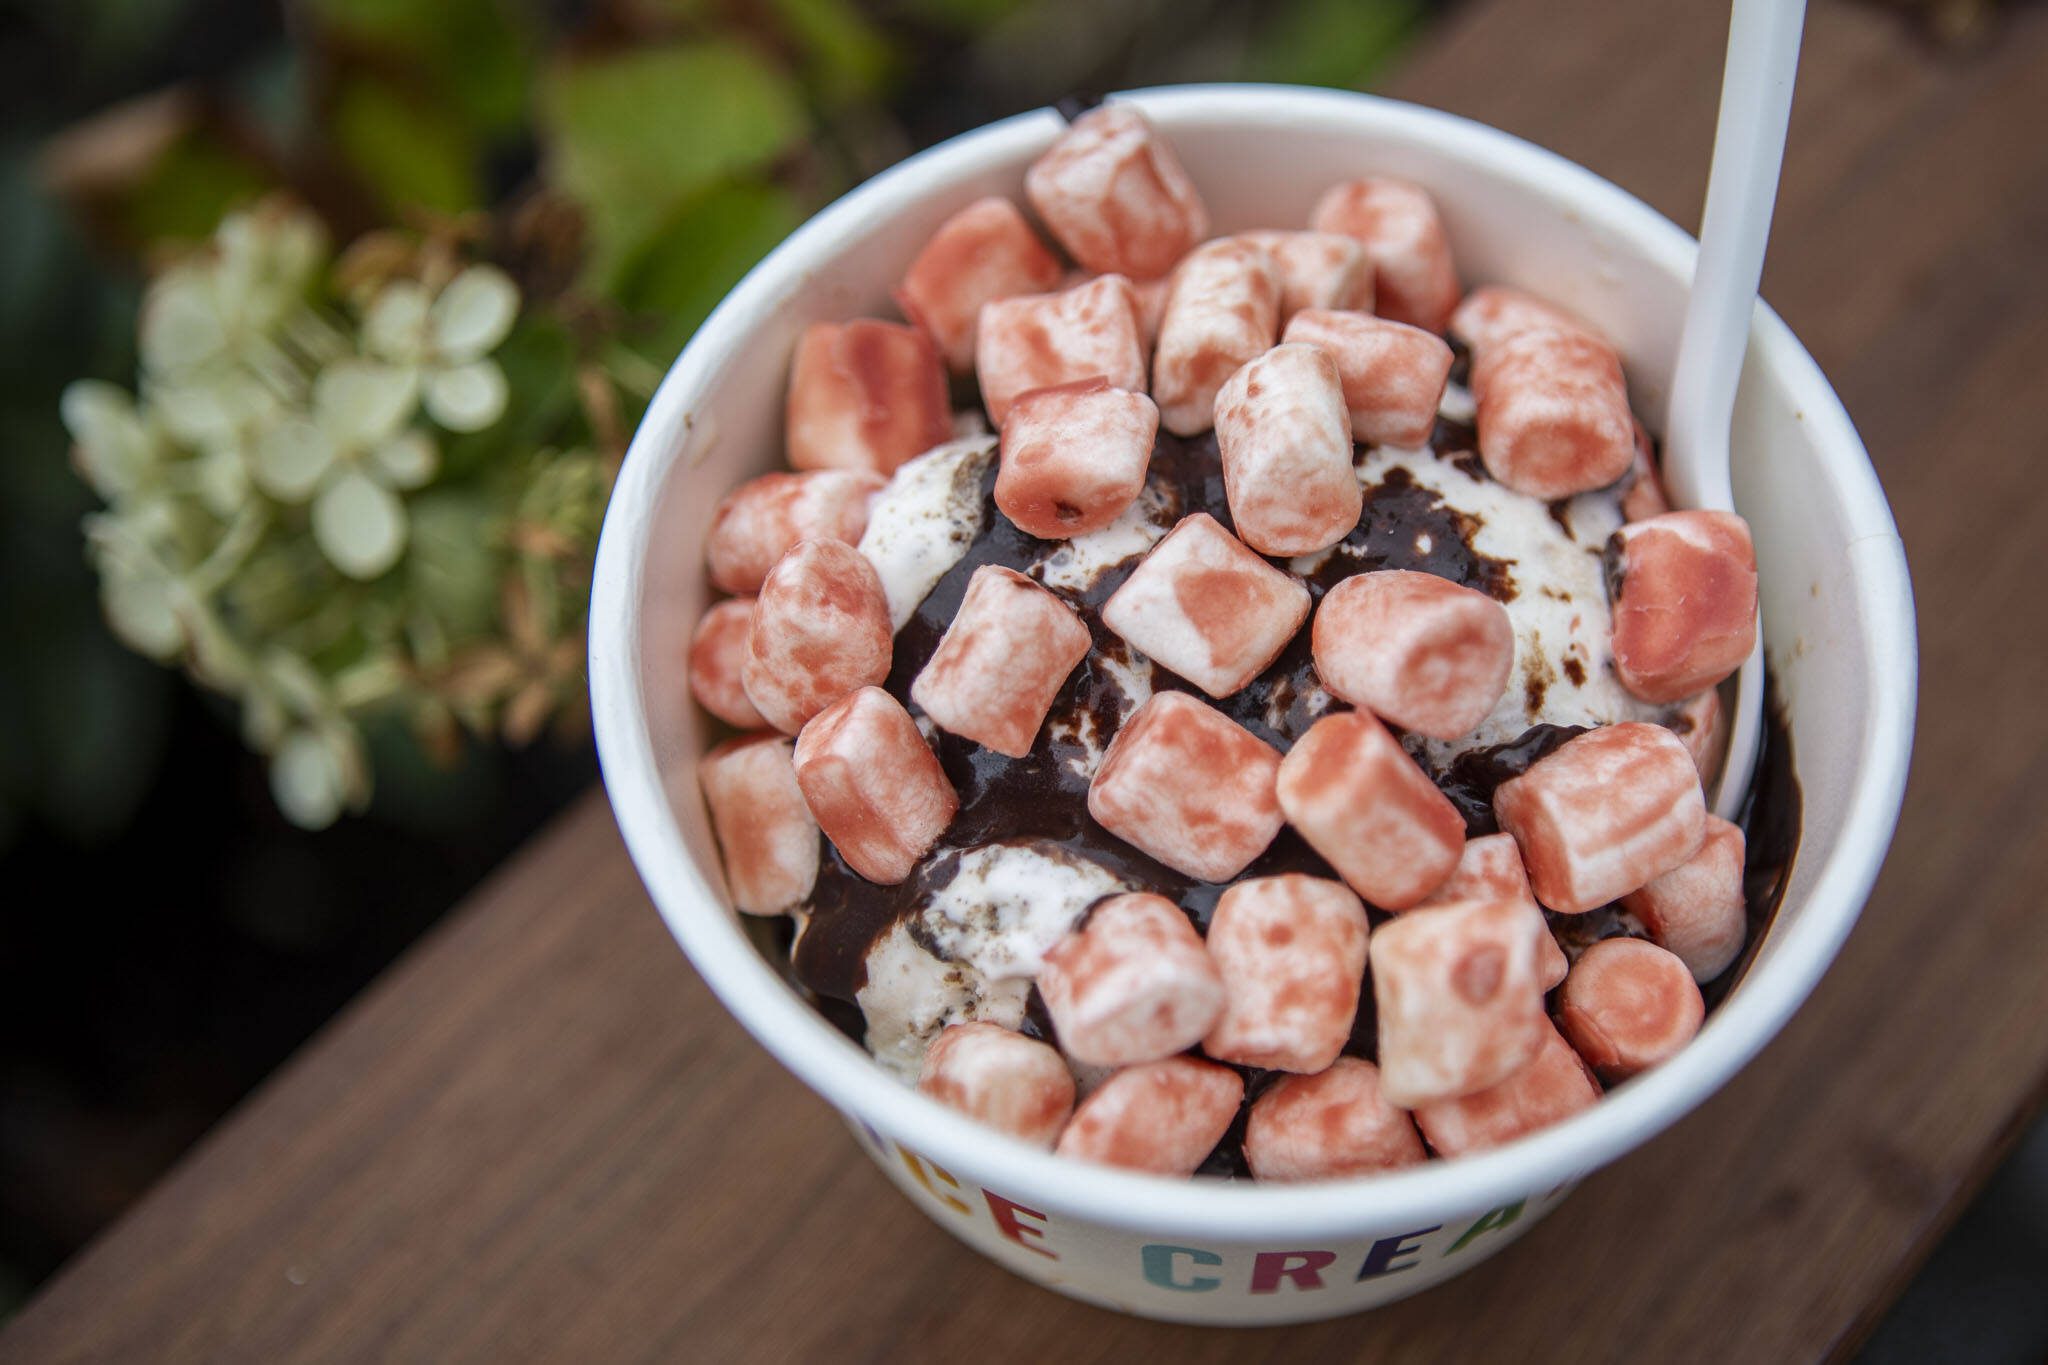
<point>841,1071</point>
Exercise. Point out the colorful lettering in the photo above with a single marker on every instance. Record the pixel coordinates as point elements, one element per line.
<point>1007,1213</point>
<point>1498,1218</point>
<point>1380,1260</point>
<point>1302,1267</point>
<point>1162,1265</point>
<point>925,1170</point>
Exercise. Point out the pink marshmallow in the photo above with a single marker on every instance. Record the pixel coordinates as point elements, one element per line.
<point>1362,803</point>
<point>765,831</point>
<point>756,523</point>
<point>1685,613</point>
<point>1698,910</point>
<point>1550,1089</point>
<point>821,629</point>
<point>1041,341</point>
<point>1010,1082</point>
<point>1328,1126</point>
<point>1553,416</point>
<point>1207,608</point>
<point>1223,311</point>
<point>1495,313</point>
<point>1316,270</point>
<point>1393,375</point>
<point>1291,952</point>
<point>1285,438</point>
<point>1428,654</point>
<point>1074,457</point>
<point>1161,1117</point>
<point>865,395</point>
<point>1628,1006</point>
<point>986,251</point>
<point>1460,1005</point>
<point>1414,279</point>
<point>1189,786</point>
<point>1001,662</point>
<point>873,785</point>
<point>1114,194</point>
<point>718,653</point>
<point>1134,984</point>
<point>1490,868</point>
<point>1604,814</point>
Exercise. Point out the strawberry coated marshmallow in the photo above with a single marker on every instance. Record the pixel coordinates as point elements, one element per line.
<point>1428,654</point>
<point>1291,951</point>
<point>1041,341</point>
<point>1133,984</point>
<point>1285,438</point>
<point>1414,279</point>
<point>1015,1084</point>
<point>1190,786</point>
<point>821,629</point>
<point>1697,910</point>
<point>1460,1006</point>
<point>1222,312</point>
<point>873,784</point>
<point>1074,457</point>
<point>1606,813</point>
<point>984,252</point>
<point>865,395</point>
<point>1161,1117</point>
<point>1393,375</point>
<point>1207,608</point>
<point>1685,611</point>
<point>756,523</point>
<point>1001,662</point>
<point>1114,194</point>
<point>1333,1124</point>
<point>1360,801</point>
<point>718,653</point>
<point>1553,418</point>
<point>764,828</point>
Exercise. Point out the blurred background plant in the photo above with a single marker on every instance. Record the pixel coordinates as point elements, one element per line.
<point>324,327</point>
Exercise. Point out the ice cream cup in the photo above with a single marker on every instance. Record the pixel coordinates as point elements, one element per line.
<point>1837,607</point>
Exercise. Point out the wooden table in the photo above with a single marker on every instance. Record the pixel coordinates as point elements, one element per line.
<point>538,1136</point>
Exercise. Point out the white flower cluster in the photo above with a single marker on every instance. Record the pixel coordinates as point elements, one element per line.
<point>265,467</point>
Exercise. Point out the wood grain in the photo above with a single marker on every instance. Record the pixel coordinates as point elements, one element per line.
<point>539,1137</point>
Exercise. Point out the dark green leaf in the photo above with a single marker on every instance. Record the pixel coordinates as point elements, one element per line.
<point>412,155</point>
<point>700,254</point>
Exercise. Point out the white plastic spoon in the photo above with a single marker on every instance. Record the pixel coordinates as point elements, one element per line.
<point>1742,187</point>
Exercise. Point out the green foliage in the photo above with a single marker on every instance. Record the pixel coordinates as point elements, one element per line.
<point>846,56</point>
<point>411,153</point>
<point>634,135</point>
<point>1341,43</point>
<point>709,244</point>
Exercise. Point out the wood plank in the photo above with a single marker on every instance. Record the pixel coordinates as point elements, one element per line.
<point>539,1137</point>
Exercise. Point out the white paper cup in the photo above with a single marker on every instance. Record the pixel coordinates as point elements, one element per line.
<point>1836,603</point>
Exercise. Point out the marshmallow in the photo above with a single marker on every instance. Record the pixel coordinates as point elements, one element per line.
<point>1223,310</point>
<point>1189,786</point>
<point>1162,1117</point>
<point>1150,297</point>
<point>1291,952</point>
<point>1553,416</point>
<point>865,395</point>
<point>1329,1125</point>
<point>1316,270</point>
<point>1698,726</point>
<point>1428,654</point>
<point>1362,802</point>
<point>1495,313</point>
<point>718,652</point>
<point>1043,340</point>
<point>1393,374</point>
<point>1490,868</point>
<point>1645,497</point>
<point>1413,278</point>
<point>1115,196</point>
<point>1685,610</point>
<point>764,829</point>
<point>756,523</point>
<point>873,784</point>
<point>1285,439</point>
<point>1002,1078</point>
<point>821,629</point>
<point>985,251</point>
<point>1133,984</point>
<point>1604,814</point>
<point>1001,662</point>
<point>1074,457</point>
<point>1628,1006</point>
<point>1460,1006</point>
<point>1550,1089</point>
<point>1207,608</point>
<point>1697,910</point>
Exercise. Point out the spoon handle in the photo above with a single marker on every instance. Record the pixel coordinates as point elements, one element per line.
<point>1742,188</point>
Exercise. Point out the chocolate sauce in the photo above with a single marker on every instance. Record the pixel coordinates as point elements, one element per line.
<point>1043,795</point>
